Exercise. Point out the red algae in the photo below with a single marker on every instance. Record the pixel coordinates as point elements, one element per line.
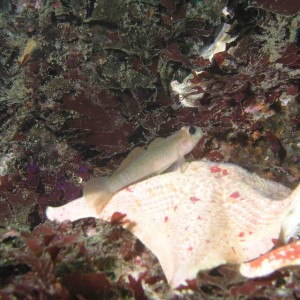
<point>96,84</point>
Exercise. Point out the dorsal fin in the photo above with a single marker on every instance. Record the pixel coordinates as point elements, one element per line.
<point>155,143</point>
<point>133,155</point>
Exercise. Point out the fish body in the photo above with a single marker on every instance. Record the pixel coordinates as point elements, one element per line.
<point>160,155</point>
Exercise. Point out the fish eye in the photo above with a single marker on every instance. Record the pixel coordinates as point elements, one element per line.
<point>192,130</point>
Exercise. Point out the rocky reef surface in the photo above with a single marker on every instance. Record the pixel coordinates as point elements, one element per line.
<point>83,82</point>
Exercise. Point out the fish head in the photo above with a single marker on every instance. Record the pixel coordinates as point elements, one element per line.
<point>189,138</point>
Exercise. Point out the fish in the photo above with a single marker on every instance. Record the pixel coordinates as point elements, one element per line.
<point>161,154</point>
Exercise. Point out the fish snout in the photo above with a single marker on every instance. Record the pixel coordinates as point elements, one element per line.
<point>191,138</point>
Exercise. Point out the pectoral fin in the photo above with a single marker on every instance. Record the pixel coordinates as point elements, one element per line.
<point>182,165</point>
<point>179,164</point>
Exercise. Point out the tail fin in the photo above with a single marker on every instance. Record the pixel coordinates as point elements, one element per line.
<point>96,193</point>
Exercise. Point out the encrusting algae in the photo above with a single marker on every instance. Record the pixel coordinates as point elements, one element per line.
<point>210,214</point>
